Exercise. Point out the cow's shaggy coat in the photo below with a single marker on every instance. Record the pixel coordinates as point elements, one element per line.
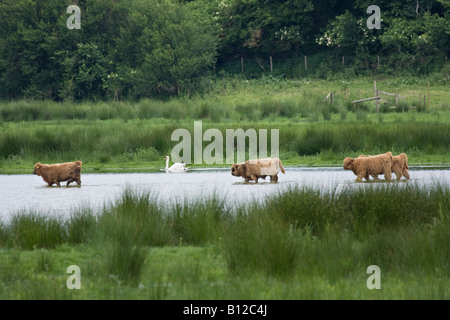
<point>55,173</point>
<point>259,168</point>
<point>399,166</point>
<point>362,167</point>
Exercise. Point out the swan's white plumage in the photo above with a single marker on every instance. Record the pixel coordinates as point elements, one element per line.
<point>176,167</point>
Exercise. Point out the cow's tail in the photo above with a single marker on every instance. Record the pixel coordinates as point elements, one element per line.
<point>281,166</point>
<point>405,160</point>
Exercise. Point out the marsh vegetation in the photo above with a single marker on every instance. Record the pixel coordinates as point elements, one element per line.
<point>298,244</point>
<point>124,134</point>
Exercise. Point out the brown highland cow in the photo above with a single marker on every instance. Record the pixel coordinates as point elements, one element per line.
<point>260,168</point>
<point>362,167</point>
<point>399,166</point>
<point>55,173</point>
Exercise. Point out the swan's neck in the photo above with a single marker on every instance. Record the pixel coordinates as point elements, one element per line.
<point>167,163</point>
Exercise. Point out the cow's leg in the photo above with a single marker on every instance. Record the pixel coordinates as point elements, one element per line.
<point>398,174</point>
<point>360,176</point>
<point>57,183</point>
<point>79,182</point>
<point>255,178</point>
<point>406,173</point>
<point>50,184</point>
<point>274,178</point>
<point>375,177</point>
<point>387,174</point>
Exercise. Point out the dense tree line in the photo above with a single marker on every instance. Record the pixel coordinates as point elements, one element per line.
<point>144,48</point>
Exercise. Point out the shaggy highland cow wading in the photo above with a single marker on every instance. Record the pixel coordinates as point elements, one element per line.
<point>399,166</point>
<point>260,168</point>
<point>55,173</point>
<point>362,167</point>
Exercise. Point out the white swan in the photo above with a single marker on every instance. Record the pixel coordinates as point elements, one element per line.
<point>176,167</point>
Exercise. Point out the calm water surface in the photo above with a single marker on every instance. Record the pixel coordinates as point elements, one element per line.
<point>30,192</point>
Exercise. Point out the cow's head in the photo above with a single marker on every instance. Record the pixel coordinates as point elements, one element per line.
<point>37,169</point>
<point>238,170</point>
<point>348,163</point>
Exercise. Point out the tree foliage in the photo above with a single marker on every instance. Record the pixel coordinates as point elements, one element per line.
<point>131,48</point>
<point>128,49</point>
<point>410,33</point>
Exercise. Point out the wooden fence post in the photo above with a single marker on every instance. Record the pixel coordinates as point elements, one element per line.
<point>306,63</point>
<point>242,64</point>
<point>271,65</point>
<point>377,101</point>
<point>330,96</point>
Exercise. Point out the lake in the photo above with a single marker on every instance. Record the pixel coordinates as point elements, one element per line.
<point>29,192</point>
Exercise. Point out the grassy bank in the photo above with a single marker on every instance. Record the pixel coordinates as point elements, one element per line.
<point>298,244</point>
<point>120,136</point>
<point>117,145</point>
<point>236,99</point>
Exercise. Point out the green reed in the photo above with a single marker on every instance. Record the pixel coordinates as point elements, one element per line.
<point>305,242</point>
<point>139,143</point>
<point>267,236</point>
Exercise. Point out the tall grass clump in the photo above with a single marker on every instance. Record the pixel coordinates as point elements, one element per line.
<point>397,226</point>
<point>137,217</point>
<point>303,208</point>
<point>4,235</point>
<point>199,222</point>
<point>426,251</point>
<point>29,230</point>
<point>81,226</point>
<point>413,248</point>
<point>90,142</point>
<point>360,211</point>
<point>357,137</point>
<point>124,259</point>
<point>257,241</point>
<point>390,206</point>
<point>12,144</point>
<point>125,229</point>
